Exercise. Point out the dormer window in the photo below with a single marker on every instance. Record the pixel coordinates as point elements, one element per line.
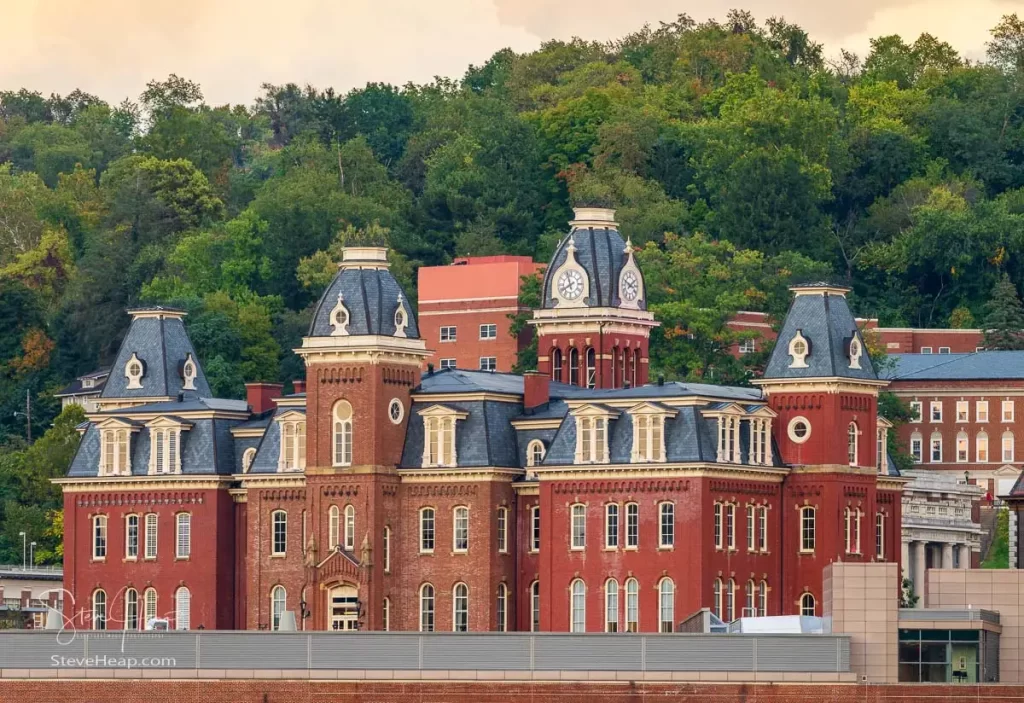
<point>188,373</point>
<point>339,318</point>
<point>165,446</point>
<point>760,439</point>
<point>115,452</point>
<point>729,439</point>
<point>648,432</point>
<point>439,447</point>
<point>293,442</point>
<point>401,318</point>
<point>535,453</point>
<point>134,370</point>
<point>799,350</point>
<point>856,350</point>
<point>88,383</point>
<point>592,434</point>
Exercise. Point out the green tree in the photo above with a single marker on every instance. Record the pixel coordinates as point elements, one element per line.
<point>1004,317</point>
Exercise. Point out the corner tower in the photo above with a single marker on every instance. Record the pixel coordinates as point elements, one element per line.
<point>593,326</point>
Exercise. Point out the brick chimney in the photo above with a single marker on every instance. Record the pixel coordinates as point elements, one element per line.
<point>260,396</point>
<point>299,385</point>
<point>536,389</point>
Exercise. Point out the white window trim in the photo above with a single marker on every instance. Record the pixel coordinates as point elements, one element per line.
<point>440,435</point>
<point>933,441</point>
<point>274,551</point>
<point>573,545</point>
<point>487,328</point>
<point>1002,411</point>
<point>433,607</point>
<point>611,605</point>
<point>456,519</point>
<point>183,537</point>
<point>806,510</point>
<point>488,363</point>
<point>110,448</point>
<point>341,429</point>
<point>534,529</point>
<point>433,530</point>
<point>662,544</point>
<point>592,421</point>
<point>979,406</point>
<point>138,536</point>
<point>502,529</point>
<point>608,542</point>
<point>932,407</point>
<point>152,521</point>
<point>981,442</point>
<point>916,411</point>
<point>100,530</point>
<point>293,457</point>
<point>447,364</point>
<point>350,528</point>
<point>455,607</point>
<point>449,331</point>
<point>635,508</point>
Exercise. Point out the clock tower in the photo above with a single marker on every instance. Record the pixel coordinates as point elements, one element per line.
<point>593,325</point>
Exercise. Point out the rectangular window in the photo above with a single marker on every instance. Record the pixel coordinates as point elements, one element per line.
<point>184,536</point>
<point>981,411</point>
<point>961,411</point>
<point>718,526</point>
<point>579,526</point>
<point>502,530</point>
<point>448,333</point>
<point>131,537</point>
<point>99,537</point>
<point>751,532</point>
<point>535,528</point>
<point>632,525</point>
<point>915,411</point>
<point>1007,447</point>
<point>535,607</point>
<point>611,526</point>
<point>151,536</point>
<point>447,364</point>
<point>460,541</point>
<point>488,363</point>
<point>807,529</point>
<point>936,407</point>
<point>387,550</point>
<point>981,447</point>
<point>730,525</point>
<point>916,450</point>
<point>748,346</point>
<point>668,525</point>
<point>961,448</point>
<point>1007,411</point>
<point>632,606</point>
<point>936,449</point>
<point>427,530</point>
<point>489,331</point>
<point>943,350</point>
<point>879,536</point>
<point>762,533</point>
<point>279,533</point>
<point>926,350</point>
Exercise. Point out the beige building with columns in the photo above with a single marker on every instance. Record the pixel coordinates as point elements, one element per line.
<point>939,531</point>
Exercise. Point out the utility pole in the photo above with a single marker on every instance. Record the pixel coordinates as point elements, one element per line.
<point>28,414</point>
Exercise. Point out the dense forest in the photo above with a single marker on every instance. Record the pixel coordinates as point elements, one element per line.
<point>739,156</point>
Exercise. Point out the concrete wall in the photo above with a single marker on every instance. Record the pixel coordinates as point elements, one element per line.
<point>990,589</point>
<point>862,600</point>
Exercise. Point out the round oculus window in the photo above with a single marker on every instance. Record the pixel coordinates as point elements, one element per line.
<point>396,411</point>
<point>799,430</point>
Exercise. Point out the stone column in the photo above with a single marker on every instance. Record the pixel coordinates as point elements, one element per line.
<point>919,567</point>
<point>905,561</point>
<point>965,555</point>
<point>947,555</point>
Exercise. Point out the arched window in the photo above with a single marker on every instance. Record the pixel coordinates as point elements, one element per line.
<point>426,530</point>
<point>635,370</point>
<point>624,366</point>
<point>460,608</point>
<point>632,605</point>
<point>556,365</point>
<point>279,532</point>
<point>460,533</point>
<point>615,367</point>
<point>851,443</point>
<point>131,609</point>
<point>807,529</point>
<point>426,608</point>
<point>183,536</point>
<point>981,447</point>
<point>578,526</point>
<point>717,597</point>
<point>99,537</point>
<point>535,453</point>
<point>749,610</point>
<point>730,600</point>
<point>350,527</point>
<point>807,604</point>
<point>1007,447</point>
<point>574,367</point>
<point>591,358</point>
<point>342,433</point>
<point>762,599</point>
<point>247,456</point>
<point>935,450</point>
<point>334,529</point>
<point>293,446</point>
<point>99,609</point>
<point>535,606</point>
<point>501,609</point>
<point>149,606</point>
<point>611,605</point>
<point>961,447</point>
<point>182,608</point>
<point>387,549</point>
<point>578,606</point>
<point>278,603</point>
<point>666,605</point>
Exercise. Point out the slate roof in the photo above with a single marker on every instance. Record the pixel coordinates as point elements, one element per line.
<point>269,449</point>
<point>162,343</point>
<point>826,322</point>
<point>485,438</point>
<point>77,386</point>
<point>371,297</point>
<point>972,366</point>
<point>600,251</point>
<point>188,405</point>
<point>1018,487</point>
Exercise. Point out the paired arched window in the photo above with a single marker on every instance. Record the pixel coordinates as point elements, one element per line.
<point>574,367</point>
<point>591,359</point>
<point>632,605</point>
<point>851,443</point>
<point>182,608</point>
<point>293,446</point>
<point>115,459</point>
<point>334,527</point>
<point>535,606</point>
<point>99,609</point>
<point>350,527</point>
<point>501,609</point>
<point>460,608</point>
<point>807,604</point>
<point>578,606</point>
<point>556,365</point>
<point>278,603</point>
<point>131,609</point>
<point>611,605</point>
<point>342,433</point>
<point>750,609</point>
<point>535,453</point>
<point>666,605</point>
<point>426,608</point>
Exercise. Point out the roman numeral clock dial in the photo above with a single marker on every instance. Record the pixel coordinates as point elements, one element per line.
<point>570,285</point>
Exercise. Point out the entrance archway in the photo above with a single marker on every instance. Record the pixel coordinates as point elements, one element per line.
<point>343,609</point>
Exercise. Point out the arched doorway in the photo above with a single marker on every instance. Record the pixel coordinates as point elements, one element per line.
<point>342,608</point>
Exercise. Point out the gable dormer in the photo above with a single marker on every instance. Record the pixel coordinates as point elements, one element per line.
<point>165,444</point>
<point>439,435</point>
<point>649,431</point>
<point>292,427</point>
<point>116,446</point>
<point>592,421</point>
<point>728,417</point>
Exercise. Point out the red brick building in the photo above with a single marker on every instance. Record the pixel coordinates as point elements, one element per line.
<point>464,312</point>
<point>576,498</point>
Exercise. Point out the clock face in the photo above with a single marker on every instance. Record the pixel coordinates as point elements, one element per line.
<point>570,285</point>
<point>630,286</point>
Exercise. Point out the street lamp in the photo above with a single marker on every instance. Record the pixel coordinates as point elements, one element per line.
<point>32,553</point>
<point>23,552</point>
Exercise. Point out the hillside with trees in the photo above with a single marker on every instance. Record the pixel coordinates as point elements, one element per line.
<point>737,154</point>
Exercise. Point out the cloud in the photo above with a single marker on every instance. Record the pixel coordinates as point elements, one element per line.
<point>112,47</point>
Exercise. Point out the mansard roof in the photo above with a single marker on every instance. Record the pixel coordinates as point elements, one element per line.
<point>974,366</point>
<point>158,338</point>
<point>821,315</point>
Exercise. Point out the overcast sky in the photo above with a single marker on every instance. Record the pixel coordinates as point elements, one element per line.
<point>112,47</point>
